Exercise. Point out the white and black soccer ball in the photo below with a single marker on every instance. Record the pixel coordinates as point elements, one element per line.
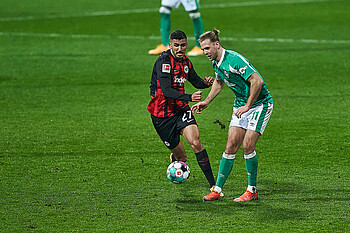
<point>178,172</point>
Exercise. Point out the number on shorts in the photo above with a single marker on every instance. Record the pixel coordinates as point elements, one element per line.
<point>187,116</point>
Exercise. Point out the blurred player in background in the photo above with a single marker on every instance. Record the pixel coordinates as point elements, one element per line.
<point>170,113</point>
<point>252,109</point>
<point>190,6</point>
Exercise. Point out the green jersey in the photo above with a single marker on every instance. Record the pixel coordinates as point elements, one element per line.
<point>235,70</point>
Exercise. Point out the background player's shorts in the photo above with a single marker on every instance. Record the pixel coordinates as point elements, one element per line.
<point>255,119</point>
<point>189,5</point>
<point>169,128</point>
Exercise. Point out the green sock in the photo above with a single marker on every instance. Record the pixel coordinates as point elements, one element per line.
<point>165,26</point>
<point>251,163</point>
<point>198,28</point>
<point>225,168</point>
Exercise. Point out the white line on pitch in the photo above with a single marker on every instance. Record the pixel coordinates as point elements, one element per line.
<point>126,37</point>
<point>53,35</point>
<point>137,11</point>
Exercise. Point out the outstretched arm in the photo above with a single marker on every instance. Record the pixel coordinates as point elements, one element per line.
<point>198,82</point>
<point>215,90</point>
<point>170,92</point>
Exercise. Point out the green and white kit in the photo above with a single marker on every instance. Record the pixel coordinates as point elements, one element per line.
<point>235,70</point>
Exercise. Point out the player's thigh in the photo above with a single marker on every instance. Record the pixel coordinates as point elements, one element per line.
<point>190,132</point>
<point>235,139</point>
<point>188,128</point>
<point>250,140</point>
<point>190,5</point>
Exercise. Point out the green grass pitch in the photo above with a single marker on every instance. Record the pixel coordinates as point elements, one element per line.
<point>78,152</point>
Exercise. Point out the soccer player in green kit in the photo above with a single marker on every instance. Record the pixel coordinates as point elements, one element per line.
<point>192,7</point>
<point>252,109</point>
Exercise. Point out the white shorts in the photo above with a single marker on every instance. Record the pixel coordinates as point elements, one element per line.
<point>255,119</point>
<point>189,5</point>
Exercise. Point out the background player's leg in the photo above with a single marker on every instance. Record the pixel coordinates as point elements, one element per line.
<point>197,25</point>
<point>165,24</point>
<point>165,27</point>
<point>198,30</point>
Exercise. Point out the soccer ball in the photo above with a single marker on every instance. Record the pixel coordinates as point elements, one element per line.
<point>178,172</point>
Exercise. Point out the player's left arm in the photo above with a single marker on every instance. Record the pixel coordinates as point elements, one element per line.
<point>197,81</point>
<point>256,83</point>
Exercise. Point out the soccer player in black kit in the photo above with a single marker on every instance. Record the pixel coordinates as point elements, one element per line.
<point>170,113</point>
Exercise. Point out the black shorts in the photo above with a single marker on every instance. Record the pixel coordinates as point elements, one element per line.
<point>169,128</point>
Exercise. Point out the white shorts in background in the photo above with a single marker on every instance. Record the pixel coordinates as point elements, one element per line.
<point>189,5</point>
<point>255,119</point>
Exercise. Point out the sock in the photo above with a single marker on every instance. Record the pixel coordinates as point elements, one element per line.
<point>198,26</point>
<point>225,168</point>
<point>251,163</point>
<point>204,164</point>
<point>218,189</point>
<point>251,189</point>
<point>165,26</point>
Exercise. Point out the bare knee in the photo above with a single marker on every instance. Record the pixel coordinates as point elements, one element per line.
<point>249,142</point>
<point>248,147</point>
<point>231,148</point>
<point>196,145</point>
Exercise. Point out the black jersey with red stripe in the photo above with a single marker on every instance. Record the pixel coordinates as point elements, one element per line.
<point>168,85</point>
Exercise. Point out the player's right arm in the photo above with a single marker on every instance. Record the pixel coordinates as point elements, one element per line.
<point>215,90</point>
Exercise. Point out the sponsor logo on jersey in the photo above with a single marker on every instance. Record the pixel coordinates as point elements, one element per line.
<point>179,80</point>
<point>242,70</point>
<point>166,68</point>
<point>233,70</point>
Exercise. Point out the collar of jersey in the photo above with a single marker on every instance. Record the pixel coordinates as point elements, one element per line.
<point>222,57</point>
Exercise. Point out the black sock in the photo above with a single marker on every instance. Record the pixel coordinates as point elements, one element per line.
<point>204,164</point>
<point>172,158</point>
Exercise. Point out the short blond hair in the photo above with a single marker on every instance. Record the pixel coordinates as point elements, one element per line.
<point>212,35</point>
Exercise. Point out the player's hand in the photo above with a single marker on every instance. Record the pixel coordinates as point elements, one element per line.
<point>208,81</point>
<point>241,110</point>
<point>198,107</point>
<point>197,96</point>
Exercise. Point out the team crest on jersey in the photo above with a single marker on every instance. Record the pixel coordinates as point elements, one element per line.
<point>166,68</point>
<point>186,69</point>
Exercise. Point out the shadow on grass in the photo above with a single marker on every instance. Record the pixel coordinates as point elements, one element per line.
<point>266,209</point>
<point>262,210</point>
